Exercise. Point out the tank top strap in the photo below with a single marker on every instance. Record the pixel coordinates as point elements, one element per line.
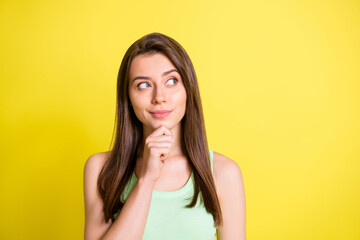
<point>211,160</point>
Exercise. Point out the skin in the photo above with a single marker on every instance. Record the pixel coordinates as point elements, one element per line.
<point>161,164</point>
<point>160,89</point>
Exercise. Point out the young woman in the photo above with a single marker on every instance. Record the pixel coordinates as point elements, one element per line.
<point>160,180</point>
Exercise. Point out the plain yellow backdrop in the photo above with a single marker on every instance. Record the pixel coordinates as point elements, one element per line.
<point>279,81</point>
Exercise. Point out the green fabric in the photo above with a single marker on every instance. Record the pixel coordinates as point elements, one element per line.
<point>169,219</point>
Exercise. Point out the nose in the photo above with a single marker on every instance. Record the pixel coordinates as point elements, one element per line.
<point>159,95</point>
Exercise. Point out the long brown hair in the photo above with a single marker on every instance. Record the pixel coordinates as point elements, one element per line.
<point>121,162</point>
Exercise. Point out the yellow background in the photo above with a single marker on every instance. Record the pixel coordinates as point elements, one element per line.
<point>279,81</point>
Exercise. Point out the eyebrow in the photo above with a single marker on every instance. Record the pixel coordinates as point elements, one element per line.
<point>148,78</point>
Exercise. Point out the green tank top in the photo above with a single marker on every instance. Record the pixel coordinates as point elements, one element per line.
<point>169,219</point>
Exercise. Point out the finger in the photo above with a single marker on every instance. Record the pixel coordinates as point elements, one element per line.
<point>162,130</point>
<point>161,151</point>
<point>161,138</point>
<point>163,156</point>
<point>159,145</point>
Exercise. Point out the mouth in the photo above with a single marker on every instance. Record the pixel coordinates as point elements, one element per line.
<point>160,113</point>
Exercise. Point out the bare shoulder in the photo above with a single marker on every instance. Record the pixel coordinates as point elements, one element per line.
<point>92,168</point>
<point>226,170</point>
<point>96,161</point>
<point>230,188</point>
<point>95,225</point>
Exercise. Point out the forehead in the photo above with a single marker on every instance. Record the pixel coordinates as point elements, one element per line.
<point>150,64</point>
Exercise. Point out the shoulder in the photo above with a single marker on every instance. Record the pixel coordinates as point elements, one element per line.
<point>230,189</point>
<point>225,168</point>
<point>96,159</point>
<point>94,164</point>
<point>227,173</point>
<point>94,216</point>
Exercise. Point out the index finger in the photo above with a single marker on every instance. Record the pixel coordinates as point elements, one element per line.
<point>162,130</point>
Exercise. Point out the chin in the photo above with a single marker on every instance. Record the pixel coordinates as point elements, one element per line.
<point>165,123</point>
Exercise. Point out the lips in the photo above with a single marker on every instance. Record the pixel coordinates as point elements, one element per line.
<point>160,113</point>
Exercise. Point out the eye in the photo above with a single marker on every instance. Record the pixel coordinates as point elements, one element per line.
<point>142,85</point>
<point>173,81</point>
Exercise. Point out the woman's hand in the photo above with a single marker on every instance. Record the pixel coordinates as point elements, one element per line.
<point>156,150</point>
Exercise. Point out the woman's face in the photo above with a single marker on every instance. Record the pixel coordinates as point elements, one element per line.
<point>156,91</point>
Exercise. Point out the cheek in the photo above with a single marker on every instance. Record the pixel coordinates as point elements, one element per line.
<point>138,104</point>
<point>135,99</point>
<point>138,110</point>
<point>184,96</point>
<point>181,98</point>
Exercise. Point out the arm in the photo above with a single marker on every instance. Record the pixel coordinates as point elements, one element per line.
<point>130,223</point>
<point>230,188</point>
